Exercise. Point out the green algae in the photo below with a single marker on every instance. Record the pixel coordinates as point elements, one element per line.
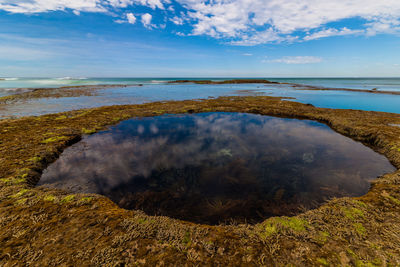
<point>86,199</point>
<point>323,262</point>
<point>278,224</point>
<point>284,243</point>
<point>49,198</point>
<point>20,193</point>
<point>186,239</point>
<point>360,228</point>
<point>13,181</point>
<point>21,201</point>
<point>391,198</point>
<point>36,159</point>
<point>54,139</point>
<point>352,213</point>
<point>88,131</point>
<point>62,117</point>
<point>67,199</point>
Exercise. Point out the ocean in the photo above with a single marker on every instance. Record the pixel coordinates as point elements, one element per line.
<point>384,84</point>
<point>158,89</point>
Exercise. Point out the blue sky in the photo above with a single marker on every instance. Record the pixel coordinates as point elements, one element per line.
<point>188,38</point>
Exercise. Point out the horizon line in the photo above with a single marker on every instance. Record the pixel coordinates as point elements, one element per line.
<point>203,77</point>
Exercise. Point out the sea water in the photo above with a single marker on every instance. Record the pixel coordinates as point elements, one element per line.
<point>158,89</point>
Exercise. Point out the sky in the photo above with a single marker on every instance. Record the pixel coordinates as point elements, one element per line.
<point>195,38</point>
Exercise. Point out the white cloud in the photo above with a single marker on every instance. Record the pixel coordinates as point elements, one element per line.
<point>151,3</point>
<point>177,21</point>
<point>297,60</point>
<point>263,37</point>
<point>146,20</point>
<point>383,25</point>
<point>332,32</point>
<point>120,3</point>
<point>125,3</point>
<point>239,20</point>
<point>37,6</point>
<point>247,54</point>
<point>131,18</point>
<point>245,22</point>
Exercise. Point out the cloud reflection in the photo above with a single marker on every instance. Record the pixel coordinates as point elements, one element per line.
<point>217,157</point>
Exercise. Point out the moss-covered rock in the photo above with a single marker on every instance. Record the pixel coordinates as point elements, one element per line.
<point>42,226</point>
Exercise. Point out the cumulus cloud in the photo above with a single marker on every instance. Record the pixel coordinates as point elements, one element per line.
<point>246,22</point>
<point>284,16</point>
<point>131,18</point>
<point>146,20</point>
<point>240,19</point>
<point>297,60</point>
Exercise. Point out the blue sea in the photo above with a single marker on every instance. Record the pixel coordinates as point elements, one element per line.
<point>158,89</point>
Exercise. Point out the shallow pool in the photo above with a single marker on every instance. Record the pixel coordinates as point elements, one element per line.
<point>218,167</point>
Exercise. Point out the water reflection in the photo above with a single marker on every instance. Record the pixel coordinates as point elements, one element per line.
<point>216,167</point>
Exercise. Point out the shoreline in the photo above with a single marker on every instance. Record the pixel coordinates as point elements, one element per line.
<point>320,88</point>
<point>90,90</point>
<point>38,101</point>
<point>234,81</point>
<point>58,92</point>
<point>294,85</point>
<point>338,233</point>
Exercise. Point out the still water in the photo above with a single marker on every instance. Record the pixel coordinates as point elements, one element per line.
<point>156,89</point>
<point>217,167</point>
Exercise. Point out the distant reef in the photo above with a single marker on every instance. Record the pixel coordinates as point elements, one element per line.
<point>235,81</point>
<point>64,91</point>
<point>294,85</point>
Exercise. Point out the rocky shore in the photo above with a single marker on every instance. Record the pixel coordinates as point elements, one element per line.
<point>42,226</point>
<point>65,91</point>
<point>316,88</point>
<point>235,81</point>
<point>296,86</point>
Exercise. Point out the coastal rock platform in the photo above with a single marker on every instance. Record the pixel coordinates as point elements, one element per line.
<point>49,227</point>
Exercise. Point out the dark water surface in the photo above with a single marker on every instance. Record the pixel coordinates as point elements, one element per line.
<point>218,167</point>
